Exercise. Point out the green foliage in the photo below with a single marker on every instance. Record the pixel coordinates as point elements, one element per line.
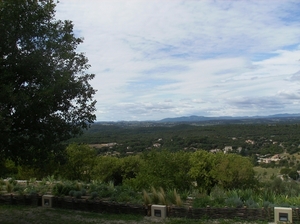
<point>130,167</point>
<point>125,194</point>
<point>2,182</point>
<point>173,198</point>
<point>159,196</point>
<point>163,169</point>
<point>146,198</point>
<point>80,162</point>
<point>12,181</point>
<point>226,170</point>
<point>77,194</point>
<point>293,174</point>
<point>233,171</point>
<point>234,202</point>
<point>45,93</point>
<point>9,187</point>
<point>94,195</point>
<point>61,189</point>
<point>8,168</point>
<point>218,195</point>
<point>285,170</point>
<point>19,189</point>
<point>103,190</point>
<point>202,201</point>
<point>31,190</point>
<point>250,203</point>
<point>175,137</point>
<point>107,169</point>
<point>155,199</point>
<point>201,164</point>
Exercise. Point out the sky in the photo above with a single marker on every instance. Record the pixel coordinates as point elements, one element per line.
<point>156,59</point>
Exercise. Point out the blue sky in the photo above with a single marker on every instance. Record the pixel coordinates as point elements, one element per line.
<point>167,58</point>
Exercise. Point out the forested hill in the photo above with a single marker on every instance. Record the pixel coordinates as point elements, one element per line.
<point>243,119</point>
<point>262,137</point>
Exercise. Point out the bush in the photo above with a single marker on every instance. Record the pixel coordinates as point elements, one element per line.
<point>234,202</point>
<point>94,195</point>
<point>202,202</point>
<point>267,204</point>
<point>172,197</point>
<point>77,194</point>
<point>146,198</point>
<point>60,189</point>
<point>19,188</point>
<point>250,203</point>
<point>12,181</point>
<point>9,187</point>
<point>218,195</point>
<point>104,191</point>
<point>31,190</point>
<point>83,192</point>
<point>71,193</point>
<point>293,174</point>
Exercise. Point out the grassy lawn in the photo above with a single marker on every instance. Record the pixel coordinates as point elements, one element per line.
<point>40,215</point>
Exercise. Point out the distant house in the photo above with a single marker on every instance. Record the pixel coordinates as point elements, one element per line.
<point>239,149</point>
<point>274,158</point>
<point>215,150</point>
<point>249,141</point>
<point>227,149</point>
<point>156,145</point>
<point>129,153</point>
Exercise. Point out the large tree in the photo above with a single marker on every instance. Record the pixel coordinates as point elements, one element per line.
<point>45,95</point>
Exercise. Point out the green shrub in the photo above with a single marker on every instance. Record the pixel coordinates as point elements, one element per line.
<point>94,195</point>
<point>71,193</point>
<point>154,196</point>
<point>77,194</point>
<point>202,201</point>
<point>234,202</point>
<point>42,189</point>
<point>245,194</point>
<point>218,196</point>
<point>267,204</point>
<point>173,197</point>
<point>125,194</point>
<point>2,182</point>
<point>19,188</point>
<point>60,189</point>
<point>146,198</point>
<point>250,203</point>
<point>9,187</point>
<point>83,192</point>
<point>12,181</point>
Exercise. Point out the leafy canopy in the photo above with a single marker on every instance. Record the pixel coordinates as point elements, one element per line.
<point>45,95</point>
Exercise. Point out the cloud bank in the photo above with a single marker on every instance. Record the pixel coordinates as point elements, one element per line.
<point>157,59</point>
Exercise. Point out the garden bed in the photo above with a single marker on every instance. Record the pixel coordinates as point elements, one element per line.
<point>99,206</point>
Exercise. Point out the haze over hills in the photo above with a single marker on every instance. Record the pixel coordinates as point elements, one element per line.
<point>202,120</point>
<point>195,118</point>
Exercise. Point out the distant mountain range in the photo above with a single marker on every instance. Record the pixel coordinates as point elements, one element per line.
<point>194,118</point>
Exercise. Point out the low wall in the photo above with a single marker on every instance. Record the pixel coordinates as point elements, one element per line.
<point>250,214</point>
<point>31,200</point>
<point>76,204</point>
<point>98,206</point>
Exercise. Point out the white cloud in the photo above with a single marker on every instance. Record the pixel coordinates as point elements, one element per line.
<point>222,57</point>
